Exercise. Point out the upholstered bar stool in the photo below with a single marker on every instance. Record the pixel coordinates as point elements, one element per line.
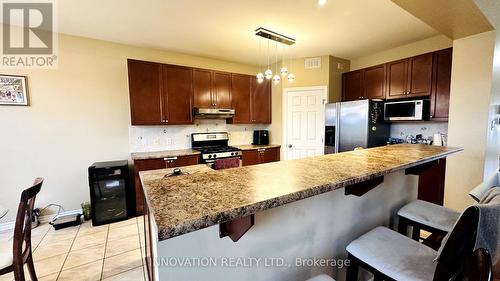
<point>321,277</point>
<point>392,256</point>
<point>422,215</point>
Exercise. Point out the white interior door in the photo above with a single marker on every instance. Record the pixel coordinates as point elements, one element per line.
<point>304,121</point>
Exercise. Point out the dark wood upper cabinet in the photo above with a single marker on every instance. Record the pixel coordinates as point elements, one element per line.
<point>240,94</point>
<point>163,94</point>
<point>397,77</point>
<point>441,81</point>
<point>374,82</point>
<point>260,102</point>
<point>222,90</point>
<point>202,86</point>
<point>144,79</point>
<point>352,88</point>
<point>178,93</point>
<point>411,77</point>
<point>420,75</point>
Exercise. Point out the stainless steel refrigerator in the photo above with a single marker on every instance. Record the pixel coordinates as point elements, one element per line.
<point>355,124</point>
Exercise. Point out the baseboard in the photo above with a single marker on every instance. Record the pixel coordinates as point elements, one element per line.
<point>43,219</point>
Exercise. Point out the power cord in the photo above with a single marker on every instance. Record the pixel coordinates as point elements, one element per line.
<point>61,208</point>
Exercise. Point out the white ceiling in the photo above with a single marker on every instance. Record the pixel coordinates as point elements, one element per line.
<point>224,28</point>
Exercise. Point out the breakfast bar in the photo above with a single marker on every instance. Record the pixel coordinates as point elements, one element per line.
<point>186,213</point>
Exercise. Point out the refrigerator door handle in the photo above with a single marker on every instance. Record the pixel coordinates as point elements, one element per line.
<point>337,126</point>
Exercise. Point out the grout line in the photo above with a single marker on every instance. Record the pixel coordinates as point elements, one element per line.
<point>67,254</point>
<point>124,272</point>
<point>104,256</point>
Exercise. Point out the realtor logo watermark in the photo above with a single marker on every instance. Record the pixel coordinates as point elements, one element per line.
<point>29,37</point>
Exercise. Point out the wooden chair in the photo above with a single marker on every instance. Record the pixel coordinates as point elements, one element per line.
<point>13,255</point>
<point>390,255</point>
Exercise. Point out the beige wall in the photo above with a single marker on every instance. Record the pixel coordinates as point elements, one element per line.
<point>408,50</point>
<point>79,114</point>
<point>337,67</point>
<point>469,103</point>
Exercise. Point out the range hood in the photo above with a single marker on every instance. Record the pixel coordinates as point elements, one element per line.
<point>213,113</point>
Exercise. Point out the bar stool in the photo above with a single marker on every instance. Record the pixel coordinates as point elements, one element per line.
<point>321,277</point>
<point>422,215</point>
<point>14,254</point>
<point>392,256</point>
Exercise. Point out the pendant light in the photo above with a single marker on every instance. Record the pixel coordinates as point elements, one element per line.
<point>284,70</point>
<point>291,76</point>
<point>268,74</point>
<point>260,76</point>
<point>276,78</point>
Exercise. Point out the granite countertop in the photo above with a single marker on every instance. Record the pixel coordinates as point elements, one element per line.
<point>207,197</point>
<point>163,154</point>
<point>252,147</point>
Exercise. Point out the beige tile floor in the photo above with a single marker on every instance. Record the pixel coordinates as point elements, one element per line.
<point>87,253</point>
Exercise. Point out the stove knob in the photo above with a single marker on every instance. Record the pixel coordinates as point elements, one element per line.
<point>215,155</point>
<point>209,156</point>
<point>232,153</point>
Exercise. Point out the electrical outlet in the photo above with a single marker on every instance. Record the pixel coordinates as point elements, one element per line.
<point>157,141</point>
<point>169,141</point>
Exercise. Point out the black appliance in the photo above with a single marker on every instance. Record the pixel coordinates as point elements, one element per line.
<point>260,137</point>
<point>111,195</point>
<point>214,146</point>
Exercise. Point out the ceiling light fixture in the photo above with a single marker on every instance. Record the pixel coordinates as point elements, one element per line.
<point>321,2</point>
<point>277,38</point>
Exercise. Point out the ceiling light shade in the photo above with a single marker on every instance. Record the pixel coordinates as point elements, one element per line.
<point>260,77</point>
<point>321,2</point>
<point>276,79</point>
<point>268,74</point>
<point>291,77</point>
<point>284,71</point>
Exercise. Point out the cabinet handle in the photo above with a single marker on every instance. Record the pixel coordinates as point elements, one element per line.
<point>170,158</point>
<point>261,150</point>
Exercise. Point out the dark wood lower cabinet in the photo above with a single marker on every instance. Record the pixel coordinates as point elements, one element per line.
<point>260,156</point>
<point>431,180</point>
<point>155,164</point>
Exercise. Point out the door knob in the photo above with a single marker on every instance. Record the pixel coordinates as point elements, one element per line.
<point>289,146</point>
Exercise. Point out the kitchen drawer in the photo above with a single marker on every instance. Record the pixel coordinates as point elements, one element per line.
<point>260,156</point>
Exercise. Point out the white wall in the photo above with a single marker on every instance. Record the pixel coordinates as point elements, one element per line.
<point>471,79</point>
<point>79,114</point>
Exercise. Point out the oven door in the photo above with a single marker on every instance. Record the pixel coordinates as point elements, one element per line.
<point>224,163</point>
<point>404,110</point>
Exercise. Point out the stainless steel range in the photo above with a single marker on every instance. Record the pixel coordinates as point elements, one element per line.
<point>214,146</point>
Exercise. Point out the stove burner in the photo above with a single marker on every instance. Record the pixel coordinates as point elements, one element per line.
<point>214,146</point>
<point>216,149</point>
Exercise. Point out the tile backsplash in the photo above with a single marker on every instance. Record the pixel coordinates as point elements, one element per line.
<point>156,138</point>
<point>427,129</point>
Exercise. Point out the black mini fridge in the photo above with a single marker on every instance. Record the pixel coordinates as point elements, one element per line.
<point>110,192</point>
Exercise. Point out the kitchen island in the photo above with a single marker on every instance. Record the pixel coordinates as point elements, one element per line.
<point>296,215</point>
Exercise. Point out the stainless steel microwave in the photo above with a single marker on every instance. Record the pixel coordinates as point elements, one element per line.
<point>411,110</point>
